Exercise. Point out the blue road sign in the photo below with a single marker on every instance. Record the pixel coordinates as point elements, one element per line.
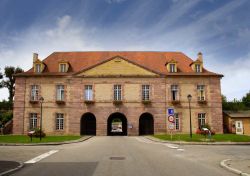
<point>170,111</point>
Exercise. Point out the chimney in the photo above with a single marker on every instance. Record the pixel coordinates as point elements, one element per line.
<point>35,57</point>
<point>200,57</point>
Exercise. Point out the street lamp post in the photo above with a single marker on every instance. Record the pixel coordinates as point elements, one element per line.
<point>41,99</point>
<point>189,97</point>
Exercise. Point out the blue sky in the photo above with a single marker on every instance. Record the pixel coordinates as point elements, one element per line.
<point>220,29</point>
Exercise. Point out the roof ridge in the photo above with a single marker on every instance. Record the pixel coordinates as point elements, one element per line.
<point>99,51</point>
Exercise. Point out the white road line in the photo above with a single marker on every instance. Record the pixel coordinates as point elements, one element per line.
<point>143,140</point>
<point>172,146</point>
<point>180,149</point>
<point>40,157</point>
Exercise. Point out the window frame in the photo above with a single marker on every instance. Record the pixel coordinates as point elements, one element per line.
<point>197,68</point>
<point>117,92</point>
<point>201,92</point>
<point>145,92</point>
<point>33,121</point>
<point>63,69</point>
<point>177,117</point>
<point>201,119</point>
<point>172,68</point>
<point>34,93</point>
<point>60,92</point>
<point>88,92</point>
<point>38,66</point>
<point>59,121</point>
<point>174,92</point>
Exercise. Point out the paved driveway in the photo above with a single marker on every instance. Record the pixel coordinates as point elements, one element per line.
<point>101,156</point>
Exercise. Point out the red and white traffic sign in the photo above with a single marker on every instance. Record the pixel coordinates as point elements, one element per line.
<point>171,126</point>
<point>171,118</point>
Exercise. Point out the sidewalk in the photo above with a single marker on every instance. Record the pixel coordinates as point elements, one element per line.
<point>47,143</point>
<point>237,166</point>
<point>6,167</point>
<point>196,143</point>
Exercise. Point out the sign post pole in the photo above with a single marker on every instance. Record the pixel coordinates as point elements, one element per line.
<point>171,121</point>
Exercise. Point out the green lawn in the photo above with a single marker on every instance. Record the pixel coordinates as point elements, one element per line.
<point>201,138</point>
<point>26,139</point>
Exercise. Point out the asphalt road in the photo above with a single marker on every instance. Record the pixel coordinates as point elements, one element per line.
<point>126,156</point>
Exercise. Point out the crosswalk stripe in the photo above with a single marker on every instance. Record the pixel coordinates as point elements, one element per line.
<point>40,157</point>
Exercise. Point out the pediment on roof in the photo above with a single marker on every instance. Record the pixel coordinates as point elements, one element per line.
<point>116,66</point>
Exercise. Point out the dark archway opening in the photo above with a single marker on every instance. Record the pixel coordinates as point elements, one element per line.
<point>146,124</point>
<point>117,125</point>
<point>88,124</point>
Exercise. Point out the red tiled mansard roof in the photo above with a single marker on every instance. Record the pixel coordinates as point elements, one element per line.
<point>154,61</point>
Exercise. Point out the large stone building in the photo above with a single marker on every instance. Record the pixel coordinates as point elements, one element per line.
<point>109,93</point>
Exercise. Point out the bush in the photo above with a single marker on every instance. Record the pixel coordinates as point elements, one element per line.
<point>203,132</point>
<point>5,117</point>
<point>37,133</point>
<point>6,105</point>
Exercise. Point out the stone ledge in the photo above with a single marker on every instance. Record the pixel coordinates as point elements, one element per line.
<point>196,143</point>
<point>47,143</point>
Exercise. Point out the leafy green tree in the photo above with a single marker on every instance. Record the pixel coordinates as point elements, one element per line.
<point>234,105</point>
<point>5,105</point>
<point>5,117</point>
<point>246,100</point>
<point>9,80</point>
<point>224,98</point>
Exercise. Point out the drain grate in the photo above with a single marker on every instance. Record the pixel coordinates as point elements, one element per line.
<point>117,158</point>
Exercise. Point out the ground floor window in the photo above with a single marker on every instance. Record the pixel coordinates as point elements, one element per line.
<point>201,119</point>
<point>33,121</point>
<point>177,121</point>
<point>59,121</point>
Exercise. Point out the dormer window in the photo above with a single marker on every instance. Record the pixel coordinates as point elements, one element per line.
<point>172,68</point>
<point>197,68</point>
<point>63,68</point>
<point>38,68</point>
<point>38,65</point>
<point>197,65</point>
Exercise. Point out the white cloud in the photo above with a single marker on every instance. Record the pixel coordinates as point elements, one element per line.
<point>66,35</point>
<point>235,82</point>
<point>70,34</point>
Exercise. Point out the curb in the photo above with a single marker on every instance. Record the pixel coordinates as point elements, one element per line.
<point>49,143</point>
<point>231,169</point>
<point>196,143</point>
<point>12,170</point>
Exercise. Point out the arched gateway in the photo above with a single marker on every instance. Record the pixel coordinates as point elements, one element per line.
<point>117,125</point>
<point>88,124</point>
<point>146,124</point>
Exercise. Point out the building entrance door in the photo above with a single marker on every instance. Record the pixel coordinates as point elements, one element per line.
<point>88,124</point>
<point>239,127</point>
<point>117,125</point>
<point>146,124</point>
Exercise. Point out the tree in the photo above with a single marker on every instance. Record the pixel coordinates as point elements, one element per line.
<point>234,105</point>
<point>224,98</point>
<point>246,100</point>
<point>9,80</point>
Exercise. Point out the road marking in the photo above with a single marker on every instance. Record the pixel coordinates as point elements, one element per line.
<point>172,146</point>
<point>143,140</point>
<point>40,157</point>
<point>180,149</point>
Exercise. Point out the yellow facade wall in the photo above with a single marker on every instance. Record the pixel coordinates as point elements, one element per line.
<point>117,66</point>
<point>132,92</point>
<point>103,92</point>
